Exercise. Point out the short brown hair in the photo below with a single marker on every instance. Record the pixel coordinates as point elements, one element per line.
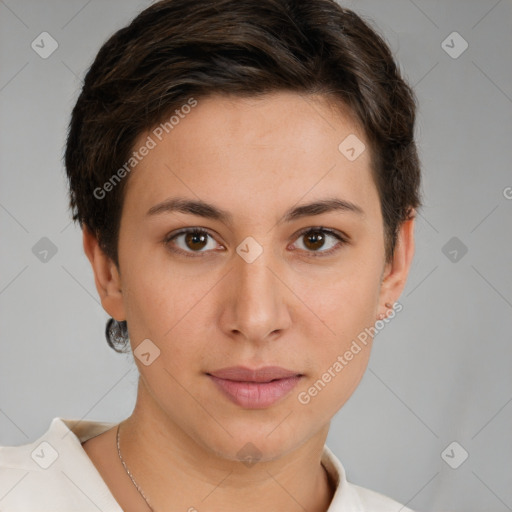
<point>178,49</point>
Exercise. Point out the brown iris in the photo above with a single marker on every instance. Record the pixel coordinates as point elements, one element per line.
<point>314,239</point>
<point>196,240</point>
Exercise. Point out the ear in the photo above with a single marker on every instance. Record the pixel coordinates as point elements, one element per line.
<point>395,273</point>
<point>106,277</point>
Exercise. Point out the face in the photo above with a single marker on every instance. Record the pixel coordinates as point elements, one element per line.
<point>265,282</point>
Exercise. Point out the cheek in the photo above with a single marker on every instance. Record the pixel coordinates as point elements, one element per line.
<point>339,334</point>
<point>343,301</point>
<point>168,309</point>
<point>338,375</point>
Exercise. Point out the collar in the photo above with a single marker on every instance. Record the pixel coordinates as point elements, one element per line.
<point>66,436</point>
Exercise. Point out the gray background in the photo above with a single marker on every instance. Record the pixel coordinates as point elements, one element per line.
<point>440,372</point>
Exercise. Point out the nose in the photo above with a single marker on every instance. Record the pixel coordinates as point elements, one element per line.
<point>256,308</point>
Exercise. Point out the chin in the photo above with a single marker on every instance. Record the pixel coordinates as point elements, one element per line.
<point>252,442</point>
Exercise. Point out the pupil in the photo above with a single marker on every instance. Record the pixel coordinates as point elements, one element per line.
<point>317,239</point>
<point>314,240</point>
<point>191,239</point>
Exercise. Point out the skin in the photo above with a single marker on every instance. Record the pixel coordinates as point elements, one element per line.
<point>255,158</point>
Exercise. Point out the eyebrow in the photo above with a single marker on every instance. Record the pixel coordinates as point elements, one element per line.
<point>210,211</point>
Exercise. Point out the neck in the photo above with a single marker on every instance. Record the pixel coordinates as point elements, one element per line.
<point>165,466</point>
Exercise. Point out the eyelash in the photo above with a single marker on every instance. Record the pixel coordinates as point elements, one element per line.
<point>315,254</point>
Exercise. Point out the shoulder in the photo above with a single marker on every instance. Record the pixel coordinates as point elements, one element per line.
<point>53,473</point>
<point>349,497</point>
<point>373,501</point>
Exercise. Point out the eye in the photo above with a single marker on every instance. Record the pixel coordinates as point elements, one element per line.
<point>190,241</point>
<point>318,237</point>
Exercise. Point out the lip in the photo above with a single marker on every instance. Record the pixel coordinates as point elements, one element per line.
<point>255,388</point>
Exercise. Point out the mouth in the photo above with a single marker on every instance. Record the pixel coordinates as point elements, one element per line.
<point>255,388</point>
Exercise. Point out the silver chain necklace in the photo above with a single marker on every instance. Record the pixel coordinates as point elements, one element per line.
<point>128,471</point>
<point>137,485</point>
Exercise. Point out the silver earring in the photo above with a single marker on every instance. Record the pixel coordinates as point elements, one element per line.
<point>117,336</point>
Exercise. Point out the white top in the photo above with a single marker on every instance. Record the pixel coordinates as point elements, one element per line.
<point>55,474</point>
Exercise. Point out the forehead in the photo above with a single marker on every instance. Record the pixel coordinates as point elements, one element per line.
<point>258,153</point>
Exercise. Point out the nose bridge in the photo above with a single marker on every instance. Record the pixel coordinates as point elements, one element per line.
<point>258,304</point>
<point>255,278</point>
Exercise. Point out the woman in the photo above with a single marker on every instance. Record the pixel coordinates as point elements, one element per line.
<point>246,178</point>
